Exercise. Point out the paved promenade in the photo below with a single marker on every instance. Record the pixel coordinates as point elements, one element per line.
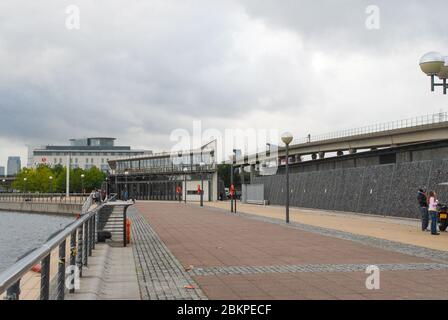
<point>389,228</point>
<point>187,252</point>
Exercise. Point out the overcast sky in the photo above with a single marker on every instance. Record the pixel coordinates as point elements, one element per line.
<point>138,69</point>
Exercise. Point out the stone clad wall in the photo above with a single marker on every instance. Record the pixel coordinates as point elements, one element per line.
<point>383,189</point>
<point>46,208</point>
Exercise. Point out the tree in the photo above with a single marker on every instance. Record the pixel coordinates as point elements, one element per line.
<point>38,179</point>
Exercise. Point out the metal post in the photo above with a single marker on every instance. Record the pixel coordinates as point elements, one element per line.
<point>85,249</point>
<point>90,224</point>
<point>124,226</point>
<point>432,83</point>
<point>185,187</point>
<point>202,188</point>
<point>94,231</point>
<point>444,86</point>
<point>287,183</point>
<point>45,278</point>
<point>13,292</point>
<point>61,271</point>
<point>67,178</point>
<point>80,249</point>
<point>231,184</point>
<point>73,259</point>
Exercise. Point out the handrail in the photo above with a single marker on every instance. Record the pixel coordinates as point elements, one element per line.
<point>74,198</point>
<point>82,234</point>
<point>423,120</point>
<point>15,272</point>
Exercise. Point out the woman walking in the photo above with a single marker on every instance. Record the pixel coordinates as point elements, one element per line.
<point>433,212</point>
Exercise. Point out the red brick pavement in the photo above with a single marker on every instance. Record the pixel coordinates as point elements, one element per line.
<point>204,237</point>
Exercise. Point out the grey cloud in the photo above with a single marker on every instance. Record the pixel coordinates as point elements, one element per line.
<point>153,66</point>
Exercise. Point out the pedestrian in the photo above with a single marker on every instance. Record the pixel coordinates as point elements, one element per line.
<point>433,212</point>
<point>423,204</point>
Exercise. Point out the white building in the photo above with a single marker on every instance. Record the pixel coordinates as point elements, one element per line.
<point>81,153</point>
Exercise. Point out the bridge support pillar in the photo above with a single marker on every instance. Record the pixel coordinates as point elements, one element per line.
<point>252,173</point>
<point>352,151</point>
<point>321,155</point>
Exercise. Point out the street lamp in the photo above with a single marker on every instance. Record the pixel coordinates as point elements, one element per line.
<point>4,185</point>
<point>24,185</point>
<point>287,139</point>
<point>434,64</point>
<point>82,183</point>
<point>232,187</point>
<point>185,183</point>
<point>126,173</point>
<point>51,184</point>
<point>202,165</point>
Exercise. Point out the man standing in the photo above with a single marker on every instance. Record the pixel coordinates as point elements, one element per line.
<point>423,204</point>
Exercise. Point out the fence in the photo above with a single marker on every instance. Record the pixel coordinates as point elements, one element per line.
<point>74,198</point>
<point>82,236</point>
<point>380,127</point>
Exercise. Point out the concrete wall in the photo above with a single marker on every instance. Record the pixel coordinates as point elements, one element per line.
<point>49,208</point>
<point>382,189</point>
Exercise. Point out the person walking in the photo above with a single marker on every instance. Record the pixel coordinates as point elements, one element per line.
<point>423,204</point>
<point>433,212</point>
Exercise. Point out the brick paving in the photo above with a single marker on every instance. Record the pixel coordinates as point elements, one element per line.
<point>242,257</point>
<point>160,275</point>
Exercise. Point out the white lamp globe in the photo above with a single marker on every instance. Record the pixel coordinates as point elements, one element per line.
<point>443,73</point>
<point>287,138</point>
<point>431,63</point>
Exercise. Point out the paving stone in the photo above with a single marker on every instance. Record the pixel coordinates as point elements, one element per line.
<point>159,273</point>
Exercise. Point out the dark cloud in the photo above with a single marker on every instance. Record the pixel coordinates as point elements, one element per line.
<point>139,69</point>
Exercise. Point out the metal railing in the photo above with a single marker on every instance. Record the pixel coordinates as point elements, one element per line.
<point>171,169</point>
<point>74,198</point>
<point>82,237</point>
<point>380,127</point>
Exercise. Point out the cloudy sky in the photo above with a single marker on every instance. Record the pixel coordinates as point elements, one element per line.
<point>139,69</point>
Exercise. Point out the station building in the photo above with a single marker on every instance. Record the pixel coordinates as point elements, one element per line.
<point>159,176</point>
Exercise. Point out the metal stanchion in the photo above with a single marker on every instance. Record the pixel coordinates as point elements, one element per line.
<point>61,271</point>
<point>45,278</point>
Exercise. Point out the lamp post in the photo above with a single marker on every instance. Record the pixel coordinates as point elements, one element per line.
<point>24,185</point>
<point>232,187</point>
<point>201,165</point>
<point>82,183</point>
<point>107,186</point>
<point>51,187</point>
<point>4,185</point>
<point>126,173</point>
<point>185,183</point>
<point>434,64</point>
<point>287,139</point>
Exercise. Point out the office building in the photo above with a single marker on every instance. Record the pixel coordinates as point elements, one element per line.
<point>81,153</point>
<point>14,165</point>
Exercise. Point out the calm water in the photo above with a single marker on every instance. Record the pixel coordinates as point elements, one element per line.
<point>21,232</point>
